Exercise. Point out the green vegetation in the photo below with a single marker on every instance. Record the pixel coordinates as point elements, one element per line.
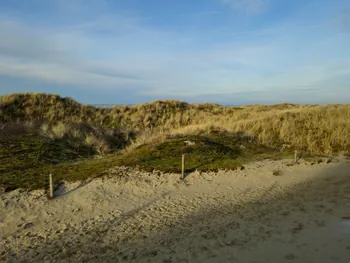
<point>34,159</point>
<point>22,157</point>
<point>52,108</point>
<point>43,133</point>
<point>36,176</point>
<point>210,152</point>
<point>29,152</point>
<point>26,160</point>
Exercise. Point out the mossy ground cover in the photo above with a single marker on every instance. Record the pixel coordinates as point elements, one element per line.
<point>26,158</point>
<point>208,153</point>
<point>26,161</point>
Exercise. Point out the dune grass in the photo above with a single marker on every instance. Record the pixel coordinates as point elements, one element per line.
<point>315,128</point>
<point>22,157</point>
<point>43,133</point>
<point>207,152</point>
<point>33,160</point>
<point>30,151</point>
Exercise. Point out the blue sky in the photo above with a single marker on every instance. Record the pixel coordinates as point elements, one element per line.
<point>133,51</point>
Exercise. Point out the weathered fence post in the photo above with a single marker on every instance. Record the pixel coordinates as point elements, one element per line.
<point>183,166</point>
<point>51,185</point>
<point>296,156</point>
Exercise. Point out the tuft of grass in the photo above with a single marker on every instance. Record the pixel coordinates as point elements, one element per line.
<point>98,144</point>
<point>277,172</point>
<point>89,140</point>
<point>75,134</point>
<point>45,129</point>
<point>59,130</point>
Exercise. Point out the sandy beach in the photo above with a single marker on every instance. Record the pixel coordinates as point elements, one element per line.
<point>268,212</point>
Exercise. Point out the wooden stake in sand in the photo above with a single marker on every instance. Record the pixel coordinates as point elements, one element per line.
<point>183,166</point>
<point>296,156</point>
<point>51,186</point>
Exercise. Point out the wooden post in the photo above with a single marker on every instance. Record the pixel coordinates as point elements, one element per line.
<point>296,156</point>
<point>183,166</point>
<point>51,186</point>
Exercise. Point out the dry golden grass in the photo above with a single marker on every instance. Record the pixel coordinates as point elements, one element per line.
<point>99,140</point>
<point>317,129</point>
<point>314,128</point>
<point>38,131</point>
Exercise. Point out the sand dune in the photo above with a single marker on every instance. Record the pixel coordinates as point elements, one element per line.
<point>252,215</point>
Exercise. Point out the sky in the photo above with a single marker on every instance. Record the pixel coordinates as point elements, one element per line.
<point>231,52</point>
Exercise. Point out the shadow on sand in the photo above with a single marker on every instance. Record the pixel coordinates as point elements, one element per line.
<point>61,190</point>
<point>220,230</point>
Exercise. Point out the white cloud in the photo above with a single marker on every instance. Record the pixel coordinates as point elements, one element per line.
<point>64,74</point>
<point>111,53</point>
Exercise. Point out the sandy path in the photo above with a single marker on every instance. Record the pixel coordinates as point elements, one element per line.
<point>241,216</point>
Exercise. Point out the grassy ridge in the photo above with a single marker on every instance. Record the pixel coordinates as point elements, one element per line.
<point>30,151</point>
<point>52,108</point>
<point>29,165</point>
<point>318,129</point>
<point>208,152</point>
<point>43,133</point>
<point>166,114</point>
<point>22,157</point>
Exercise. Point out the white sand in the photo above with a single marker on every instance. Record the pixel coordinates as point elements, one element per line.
<point>242,216</point>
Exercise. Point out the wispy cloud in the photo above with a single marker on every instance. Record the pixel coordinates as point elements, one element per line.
<point>111,53</point>
<point>77,58</point>
<point>72,56</point>
<point>250,6</point>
